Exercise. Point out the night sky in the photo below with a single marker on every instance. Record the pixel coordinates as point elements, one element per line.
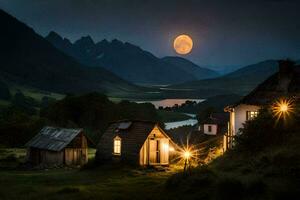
<point>225,33</point>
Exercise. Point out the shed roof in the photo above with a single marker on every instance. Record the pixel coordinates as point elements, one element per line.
<point>135,130</point>
<point>53,139</point>
<point>284,83</point>
<point>217,118</point>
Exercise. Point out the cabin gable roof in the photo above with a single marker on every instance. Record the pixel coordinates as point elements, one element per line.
<point>136,131</point>
<point>133,136</point>
<point>53,139</point>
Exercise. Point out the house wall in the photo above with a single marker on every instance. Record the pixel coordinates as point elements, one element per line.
<point>76,156</point>
<point>147,154</point>
<point>45,157</point>
<point>238,116</point>
<point>51,157</point>
<point>76,153</point>
<point>214,129</point>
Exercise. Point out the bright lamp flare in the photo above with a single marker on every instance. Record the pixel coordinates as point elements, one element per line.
<point>283,108</point>
<point>187,155</point>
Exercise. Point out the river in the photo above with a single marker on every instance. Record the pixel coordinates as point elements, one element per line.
<point>171,102</point>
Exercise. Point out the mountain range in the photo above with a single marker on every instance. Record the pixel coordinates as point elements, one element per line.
<point>130,62</point>
<point>29,59</point>
<point>58,65</point>
<point>241,81</point>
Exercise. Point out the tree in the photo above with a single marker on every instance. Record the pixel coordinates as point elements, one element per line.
<point>4,92</point>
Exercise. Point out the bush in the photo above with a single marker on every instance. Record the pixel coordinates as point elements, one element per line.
<point>265,131</point>
<point>229,188</point>
<point>17,127</point>
<point>255,187</point>
<point>25,104</point>
<point>4,91</point>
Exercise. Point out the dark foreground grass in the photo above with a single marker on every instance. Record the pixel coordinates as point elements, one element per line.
<point>90,182</point>
<point>104,182</point>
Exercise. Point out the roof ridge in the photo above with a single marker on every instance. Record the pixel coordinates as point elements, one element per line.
<point>56,127</point>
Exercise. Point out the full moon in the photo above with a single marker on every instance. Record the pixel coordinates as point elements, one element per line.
<point>183,44</point>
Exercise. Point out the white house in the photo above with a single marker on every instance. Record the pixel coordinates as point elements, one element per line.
<point>215,124</point>
<point>210,129</point>
<point>284,83</point>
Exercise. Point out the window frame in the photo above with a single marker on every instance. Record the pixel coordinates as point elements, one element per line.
<point>250,115</point>
<point>117,146</point>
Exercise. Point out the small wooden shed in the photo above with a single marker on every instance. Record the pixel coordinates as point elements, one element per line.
<point>138,142</point>
<point>58,146</point>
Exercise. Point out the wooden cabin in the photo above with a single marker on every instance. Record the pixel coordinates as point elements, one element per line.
<point>58,146</point>
<point>283,84</point>
<point>137,142</point>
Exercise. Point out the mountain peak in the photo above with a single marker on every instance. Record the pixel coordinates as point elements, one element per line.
<point>49,64</point>
<point>85,41</point>
<point>116,42</point>
<point>54,36</point>
<point>175,58</point>
<point>131,62</point>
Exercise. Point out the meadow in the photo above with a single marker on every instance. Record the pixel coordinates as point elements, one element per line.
<point>100,182</point>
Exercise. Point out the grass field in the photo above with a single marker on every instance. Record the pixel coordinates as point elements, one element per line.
<point>102,182</point>
<point>35,93</point>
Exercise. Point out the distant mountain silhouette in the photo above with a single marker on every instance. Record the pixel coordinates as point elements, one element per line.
<point>258,71</point>
<point>129,61</point>
<point>190,67</point>
<point>241,81</point>
<point>29,59</point>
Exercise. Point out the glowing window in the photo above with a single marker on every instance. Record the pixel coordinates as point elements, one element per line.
<point>117,146</point>
<point>251,115</point>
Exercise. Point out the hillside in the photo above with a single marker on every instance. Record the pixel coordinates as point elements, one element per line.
<point>263,165</point>
<point>241,81</point>
<point>28,59</point>
<point>129,61</point>
<point>190,67</point>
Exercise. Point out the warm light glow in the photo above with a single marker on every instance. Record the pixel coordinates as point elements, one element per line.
<point>183,44</point>
<point>117,146</point>
<point>187,155</point>
<point>283,108</point>
<point>171,149</point>
<point>166,147</point>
